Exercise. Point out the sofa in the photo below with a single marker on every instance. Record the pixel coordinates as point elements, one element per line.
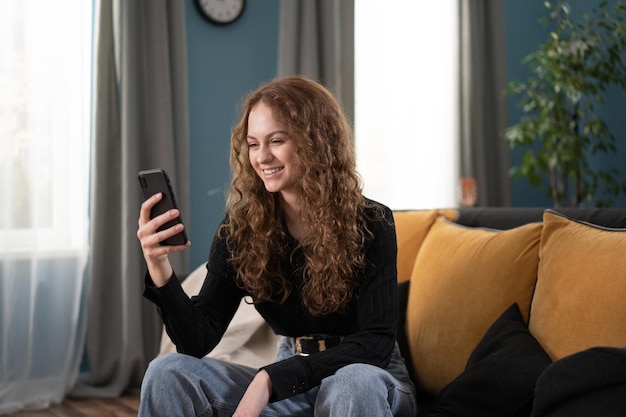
<point>504,311</point>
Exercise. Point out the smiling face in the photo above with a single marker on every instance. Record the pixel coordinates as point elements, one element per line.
<point>272,152</point>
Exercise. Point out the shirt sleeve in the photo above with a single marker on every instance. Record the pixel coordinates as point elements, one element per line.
<point>377,320</point>
<point>197,324</point>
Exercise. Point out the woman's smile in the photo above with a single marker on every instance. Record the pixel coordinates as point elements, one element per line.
<point>272,171</point>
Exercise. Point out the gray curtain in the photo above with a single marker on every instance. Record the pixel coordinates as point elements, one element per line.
<point>139,122</point>
<point>484,151</point>
<point>316,39</point>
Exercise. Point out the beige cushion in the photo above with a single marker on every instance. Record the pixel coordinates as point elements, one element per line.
<point>462,281</point>
<point>580,299</point>
<point>248,340</point>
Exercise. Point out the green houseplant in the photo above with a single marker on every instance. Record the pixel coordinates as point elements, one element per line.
<point>559,128</point>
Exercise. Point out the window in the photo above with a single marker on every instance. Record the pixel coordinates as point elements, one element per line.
<point>45,61</point>
<point>406,86</point>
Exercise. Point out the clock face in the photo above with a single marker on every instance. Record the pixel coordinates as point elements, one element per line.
<point>221,12</point>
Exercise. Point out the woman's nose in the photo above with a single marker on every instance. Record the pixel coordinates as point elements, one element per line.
<point>264,154</point>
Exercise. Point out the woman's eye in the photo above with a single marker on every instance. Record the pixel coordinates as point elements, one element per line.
<point>277,140</point>
<point>252,145</point>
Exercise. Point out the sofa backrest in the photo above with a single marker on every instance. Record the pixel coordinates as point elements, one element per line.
<point>437,308</point>
<point>509,217</point>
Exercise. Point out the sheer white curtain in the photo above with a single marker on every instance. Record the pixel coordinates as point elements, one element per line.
<point>406,102</point>
<point>45,53</point>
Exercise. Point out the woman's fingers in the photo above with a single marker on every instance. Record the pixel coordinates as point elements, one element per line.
<point>161,235</point>
<point>150,237</point>
<point>149,234</point>
<point>146,208</point>
<point>148,226</point>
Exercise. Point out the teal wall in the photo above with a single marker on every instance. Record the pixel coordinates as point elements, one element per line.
<point>225,63</point>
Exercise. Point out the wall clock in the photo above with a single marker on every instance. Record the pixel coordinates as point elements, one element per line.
<point>220,12</point>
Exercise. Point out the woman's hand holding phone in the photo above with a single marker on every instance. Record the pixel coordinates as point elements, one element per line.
<point>150,237</point>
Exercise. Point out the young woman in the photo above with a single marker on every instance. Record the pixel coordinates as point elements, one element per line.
<point>317,258</point>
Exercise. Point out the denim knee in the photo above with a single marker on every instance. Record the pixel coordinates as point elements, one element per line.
<point>356,378</point>
<point>177,384</point>
<point>354,390</point>
<point>164,368</point>
<point>360,390</point>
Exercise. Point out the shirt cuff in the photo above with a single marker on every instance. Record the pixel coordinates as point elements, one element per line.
<point>165,295</point>
<point>289,377</point>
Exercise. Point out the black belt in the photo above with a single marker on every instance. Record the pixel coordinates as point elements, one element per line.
<point>307,345</point>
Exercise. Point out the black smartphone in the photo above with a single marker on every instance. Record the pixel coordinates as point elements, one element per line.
<point>154,181</point>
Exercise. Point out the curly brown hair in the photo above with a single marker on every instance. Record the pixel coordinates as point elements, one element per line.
<point>330,196</point>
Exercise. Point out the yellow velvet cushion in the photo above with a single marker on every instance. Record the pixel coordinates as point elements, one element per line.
<point>411,229</point>
<point>462,281</point>
<point>580,298</point>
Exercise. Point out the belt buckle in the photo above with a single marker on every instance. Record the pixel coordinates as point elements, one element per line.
<point>321,344</point>
<point>299,345</point>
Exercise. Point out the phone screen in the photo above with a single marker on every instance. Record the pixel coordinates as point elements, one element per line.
<point>154,181</point>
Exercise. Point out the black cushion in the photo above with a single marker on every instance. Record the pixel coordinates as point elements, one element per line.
<point>500,375</point>
<point>585,384</point>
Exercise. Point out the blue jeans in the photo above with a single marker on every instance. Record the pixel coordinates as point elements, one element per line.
<point>181,385</point>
